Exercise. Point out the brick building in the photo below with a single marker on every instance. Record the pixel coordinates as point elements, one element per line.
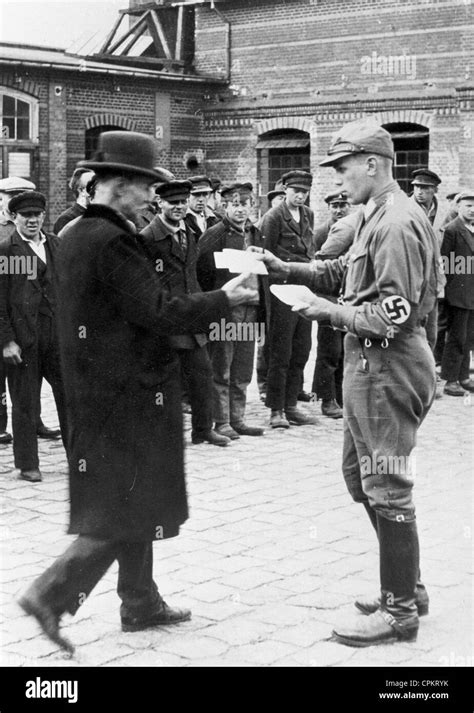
<point>251,88</point>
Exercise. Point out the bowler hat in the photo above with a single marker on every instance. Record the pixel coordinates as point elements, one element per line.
<point>126,151</point>
<point>424,177</point>
<point>200,184</point>
<point>245,188</point>
<point>174,190</point>
<point>14,184</point>
<point>28,200</point>
<point>333,196</point>
<point>361,136</point>
<point>297,179</point>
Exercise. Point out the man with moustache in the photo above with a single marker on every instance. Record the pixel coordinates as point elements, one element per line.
<point>287,230</point>
<point>122,384</point>
<point>172,248</point>
<point>388,285</point>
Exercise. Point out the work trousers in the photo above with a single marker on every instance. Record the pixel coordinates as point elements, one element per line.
<point>197,373</point>
<point>459,342</point>
<point>329,367</point>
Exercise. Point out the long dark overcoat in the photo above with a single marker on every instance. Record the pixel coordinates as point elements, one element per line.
<point>122,381</point>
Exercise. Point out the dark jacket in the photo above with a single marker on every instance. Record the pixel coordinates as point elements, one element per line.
<point>21,298</point>
<point>195,230</point>
<point>458,256</point>
<point>225,235</point>
<point>290,241</point>
<point>72,212</point>
<point>122,381</point>
<point>177,268</point>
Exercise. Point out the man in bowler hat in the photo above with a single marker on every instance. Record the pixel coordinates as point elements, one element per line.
<point>121,378</point>
<point>389,284</point>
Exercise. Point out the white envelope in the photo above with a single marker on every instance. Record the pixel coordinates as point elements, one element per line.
<point>239,261</point>
<point>294,295</point>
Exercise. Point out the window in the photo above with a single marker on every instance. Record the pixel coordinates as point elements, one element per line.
<point>411,142</point>
<point>280,152</point>
<point>16,118</point>
<point>92,138</point>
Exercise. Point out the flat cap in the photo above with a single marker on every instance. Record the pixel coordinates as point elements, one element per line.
<point>451,196</point>
<point>464,195</point>
<point>15,183</point>
<point>361,136</point>
<point>297,179</point>
<point>424,177</point>
<point>245,188</point>
<point>336,196</point>
<point>174,190</point>
<point>277,191</point>
<point>216,183</point>
<point>28,200</point>
<point>200,184</point>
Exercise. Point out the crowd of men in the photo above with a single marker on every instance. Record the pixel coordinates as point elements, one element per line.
<point>117,317</point>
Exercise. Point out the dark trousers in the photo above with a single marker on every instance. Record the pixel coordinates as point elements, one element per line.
<point>329,368</point>
<point>459,342</point>
<point>262,366</point>
<point>197,376</point>
<point>441,331</point>
<point>41,360</point>
<point>288,351</point>
<point>3,396</point>
<point>68,582</point>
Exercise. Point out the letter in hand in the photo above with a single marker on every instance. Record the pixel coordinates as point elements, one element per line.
<point>277,269</point>
<point>12,353</point>
<point>242,289</point>
<point>315,309</point>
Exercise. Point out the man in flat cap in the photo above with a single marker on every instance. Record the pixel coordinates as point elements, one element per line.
<point>28,326</point>
<point>458,259</point>
<point>287,230</point>
<point>388,285</point>
<point>122,384</point>
<point>172,248</point>
<point>199,217</point>
<point>231,356</point>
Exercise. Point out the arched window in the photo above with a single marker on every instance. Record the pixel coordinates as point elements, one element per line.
<point>92,137</point>
<point>281,151</point>
<point>412,144</point>
<point>18,134</point>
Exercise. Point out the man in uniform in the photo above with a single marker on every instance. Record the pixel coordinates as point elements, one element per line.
<point>389,283</point>
<point>287,230</point>
<point>173,251</point>
<point>339,207</point>
<point>28,327</point>
<point>122,385</point>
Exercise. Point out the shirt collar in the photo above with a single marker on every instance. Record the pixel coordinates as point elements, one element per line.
<point>172,228</point>
<point>28,240</point>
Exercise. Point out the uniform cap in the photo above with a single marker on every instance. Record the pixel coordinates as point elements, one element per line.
<point>28,200</point>
<point>174,190</point>
<point>424,177</point>
<point>361,136</point>
<point>297,179</point>
<point>330,197</point>
<point>15,183</point>
<point>242,188</point>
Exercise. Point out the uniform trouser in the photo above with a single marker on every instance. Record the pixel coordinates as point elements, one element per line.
<point>232,367</point>
<point>288,351</point>
<point>40,360</point>
<point>68,582</point>
<point>197,371</point>
<point>442,320</point>
<point>384,405</point>
<point>328,371</point>
<point>459,342</point>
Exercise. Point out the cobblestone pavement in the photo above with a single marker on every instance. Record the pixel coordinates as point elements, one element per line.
<point>272,556</point>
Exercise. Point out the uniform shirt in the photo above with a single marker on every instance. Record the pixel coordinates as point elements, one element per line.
<point>389,277</point>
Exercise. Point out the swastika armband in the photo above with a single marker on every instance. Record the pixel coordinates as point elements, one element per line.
<point>396,308</point>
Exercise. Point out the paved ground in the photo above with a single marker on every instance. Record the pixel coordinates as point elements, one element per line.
<point>272,556</point>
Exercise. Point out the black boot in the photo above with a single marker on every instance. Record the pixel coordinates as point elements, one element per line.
<point>370,605</point>
<point>397,617</point>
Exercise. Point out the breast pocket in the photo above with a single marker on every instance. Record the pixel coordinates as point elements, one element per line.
<point>358,269</point>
